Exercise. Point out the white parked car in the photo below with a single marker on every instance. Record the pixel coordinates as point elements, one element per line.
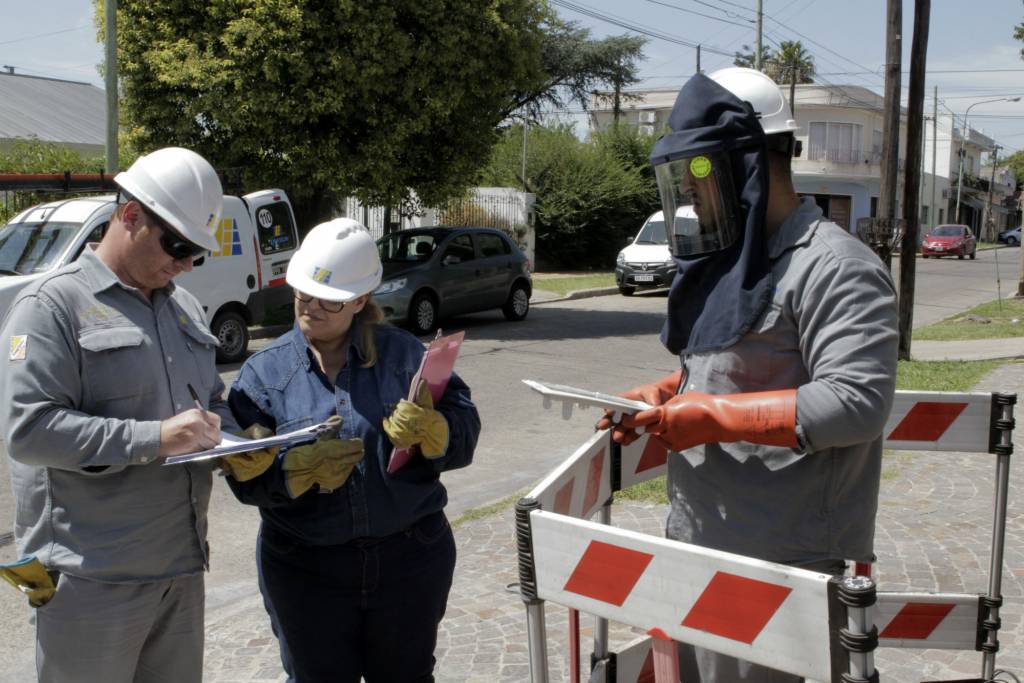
<point>646,262</point>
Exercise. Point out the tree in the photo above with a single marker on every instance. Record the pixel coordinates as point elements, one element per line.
<point>590,195</point>
<point>575,66</point>
<point>387,101</point>
<point>791,64</point>
<point>1016,162</point>
<point>1018,34</point>
<point>745,56</point>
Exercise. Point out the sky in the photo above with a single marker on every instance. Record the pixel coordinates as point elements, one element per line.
<point>972,55</point>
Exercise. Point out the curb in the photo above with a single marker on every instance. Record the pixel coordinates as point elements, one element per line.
<point>579,294</point>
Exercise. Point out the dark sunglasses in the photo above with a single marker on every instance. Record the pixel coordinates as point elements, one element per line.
<point>329,306</point>
<point>173,244</point>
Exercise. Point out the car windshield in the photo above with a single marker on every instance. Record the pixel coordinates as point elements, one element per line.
<point>33,247</point>
<point>652,233</point>
<point>948,231</point>
<point>402,247</point>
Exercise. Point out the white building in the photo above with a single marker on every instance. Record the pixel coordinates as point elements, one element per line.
<point>841,130</point>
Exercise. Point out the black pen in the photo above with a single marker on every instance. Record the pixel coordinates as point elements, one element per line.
<point>195,397</point>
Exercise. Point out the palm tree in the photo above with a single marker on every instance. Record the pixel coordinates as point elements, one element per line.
<point>792,64</point>
<point>745,57</point>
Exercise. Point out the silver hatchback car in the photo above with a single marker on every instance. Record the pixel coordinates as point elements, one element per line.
<point>439,272</point>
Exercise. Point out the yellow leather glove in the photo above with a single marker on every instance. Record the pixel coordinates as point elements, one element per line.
<point>30,577</point>
<point>327,462</point>
<point>249,465</point>
<point>418,423</point>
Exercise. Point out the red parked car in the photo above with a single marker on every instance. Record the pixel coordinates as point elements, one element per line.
<point>949,240</point>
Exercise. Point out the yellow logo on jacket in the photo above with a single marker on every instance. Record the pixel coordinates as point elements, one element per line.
<point>19,346</point>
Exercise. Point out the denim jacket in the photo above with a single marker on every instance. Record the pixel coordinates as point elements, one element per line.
<point>283,388</point>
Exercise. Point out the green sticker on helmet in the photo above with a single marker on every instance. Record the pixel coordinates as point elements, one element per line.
<point>700,167</point>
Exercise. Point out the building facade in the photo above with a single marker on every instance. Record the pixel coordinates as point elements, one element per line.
<point>840,127</point>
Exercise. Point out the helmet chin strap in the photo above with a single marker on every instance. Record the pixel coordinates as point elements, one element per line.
<point>785,143</point>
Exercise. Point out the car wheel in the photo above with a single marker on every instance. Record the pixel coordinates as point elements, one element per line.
<point>518,303</point>
<point>423,313</point>
<point>974,253</point>
<point>960,256</point>
<point>1011,241</point>
<point>233,334</point>
<point>627,291</point>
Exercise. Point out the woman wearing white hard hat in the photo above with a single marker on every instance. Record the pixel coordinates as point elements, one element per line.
<point>353,562</point>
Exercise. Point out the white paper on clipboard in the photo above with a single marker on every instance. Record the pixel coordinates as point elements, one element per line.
<point>435,369</point>
<point>562,392</point>
<point>231,444</point>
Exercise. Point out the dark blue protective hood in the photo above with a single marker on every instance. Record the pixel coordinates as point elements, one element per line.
<point>715,298</point>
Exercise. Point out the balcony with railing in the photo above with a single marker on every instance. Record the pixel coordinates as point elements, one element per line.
<point>841,161</point>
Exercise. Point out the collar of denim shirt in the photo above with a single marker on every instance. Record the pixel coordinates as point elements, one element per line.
<point>301,345</point>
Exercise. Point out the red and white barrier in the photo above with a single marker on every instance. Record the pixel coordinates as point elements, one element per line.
<point>940,421</point>
<point>759,611</point>
<point>581,484</point>
<point>927,620</point>
<point>778,616</point>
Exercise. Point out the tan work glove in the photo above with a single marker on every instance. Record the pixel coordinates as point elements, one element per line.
<point>327,462</point>
<point>418,423</point>
<point>251,464</point>
<point>30,577</point>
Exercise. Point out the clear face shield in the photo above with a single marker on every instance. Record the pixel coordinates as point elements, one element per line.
<point>703,181</point>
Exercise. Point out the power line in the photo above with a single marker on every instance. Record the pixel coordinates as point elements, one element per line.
<point>43,35</point>
<point>701,14</point>
<point>636,28</point>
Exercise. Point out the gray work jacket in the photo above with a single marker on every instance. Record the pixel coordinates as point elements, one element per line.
<point>93,367</point>
<point>829,331</point>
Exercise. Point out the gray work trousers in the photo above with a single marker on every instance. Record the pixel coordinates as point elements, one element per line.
<point>699,665</point>
<point>122,633</point>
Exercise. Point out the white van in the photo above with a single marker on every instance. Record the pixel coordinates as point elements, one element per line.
<point>646,261</point>
<point>235,284</point>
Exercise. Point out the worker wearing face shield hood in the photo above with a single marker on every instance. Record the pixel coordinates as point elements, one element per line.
<point>785,329</point>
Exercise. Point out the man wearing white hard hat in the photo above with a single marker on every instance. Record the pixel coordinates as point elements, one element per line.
<point>355,563</point>
<point>96,390</point>
<point>785,330</point>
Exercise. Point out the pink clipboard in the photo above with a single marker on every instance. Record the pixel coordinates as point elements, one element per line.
<point>435,369</point>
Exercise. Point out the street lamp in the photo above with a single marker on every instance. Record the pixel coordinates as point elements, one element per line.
<point>963,137</point>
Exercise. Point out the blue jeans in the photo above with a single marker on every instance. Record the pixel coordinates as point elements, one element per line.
<point>369,608</point>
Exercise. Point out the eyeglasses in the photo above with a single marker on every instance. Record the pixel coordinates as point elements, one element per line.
<point>329,306</point>
<point>173,244</point>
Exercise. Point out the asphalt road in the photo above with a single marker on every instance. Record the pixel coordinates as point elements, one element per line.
<point>606,343</point>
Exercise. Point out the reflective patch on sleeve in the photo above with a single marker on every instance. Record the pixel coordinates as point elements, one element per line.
<point>19,346</point>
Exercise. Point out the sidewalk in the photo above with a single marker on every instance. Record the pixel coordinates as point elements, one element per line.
<point>933,531</point>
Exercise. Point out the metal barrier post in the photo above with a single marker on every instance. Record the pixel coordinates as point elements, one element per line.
<point>535,625</point>
<point>860,637</point>
<point>1003,403</point>
<point>600,623</point>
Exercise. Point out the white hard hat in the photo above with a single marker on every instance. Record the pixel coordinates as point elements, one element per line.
<point>180,187</point>
<point>337,261</point>
<point>763,94</point>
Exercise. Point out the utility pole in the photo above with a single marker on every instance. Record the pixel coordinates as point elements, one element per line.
<point>890,129</point>
<point>698,59</point>
<point>110,82</point>
<point>912,178</point>
<point>757,48</point>
<point>934,216</point>
<point>989,221</point>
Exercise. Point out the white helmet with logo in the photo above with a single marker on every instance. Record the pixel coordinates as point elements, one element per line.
<point>763,94</point>
<point>337,261</point>
<point>180,187</point>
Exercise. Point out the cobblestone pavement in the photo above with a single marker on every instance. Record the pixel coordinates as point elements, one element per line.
<point>934,528</point>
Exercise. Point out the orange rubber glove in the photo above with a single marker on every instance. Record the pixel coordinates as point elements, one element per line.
<point>656,393</point>
<point>694,418</point>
